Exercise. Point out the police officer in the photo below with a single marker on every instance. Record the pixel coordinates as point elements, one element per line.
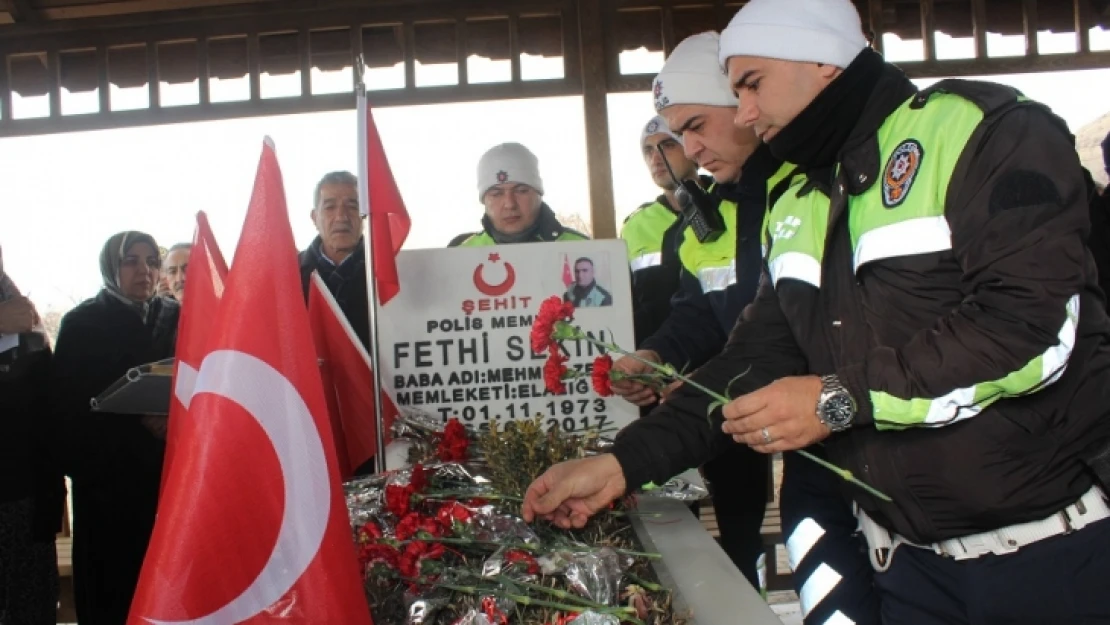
<point>931,314</point>
<point>719,275</point>
<point>653,231</point>
<point>510,188</point>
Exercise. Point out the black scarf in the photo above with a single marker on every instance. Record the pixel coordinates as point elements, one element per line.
<point>545,221</point>
<point>815,137</point>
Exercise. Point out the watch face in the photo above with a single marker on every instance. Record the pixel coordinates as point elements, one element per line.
<point>838,410</point>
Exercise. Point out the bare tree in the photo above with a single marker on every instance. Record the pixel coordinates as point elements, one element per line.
<point>576,222</point>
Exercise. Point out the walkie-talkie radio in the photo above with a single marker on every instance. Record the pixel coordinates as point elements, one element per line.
<point>698,208</point>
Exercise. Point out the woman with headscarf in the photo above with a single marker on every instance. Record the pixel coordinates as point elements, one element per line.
<point>32,491</point>
<point>114,460</point>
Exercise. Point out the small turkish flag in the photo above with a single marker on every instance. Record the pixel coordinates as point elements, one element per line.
<point>568,275</point>
<point>348,381</point>
<point>204,286</point>
<point>252,526</point>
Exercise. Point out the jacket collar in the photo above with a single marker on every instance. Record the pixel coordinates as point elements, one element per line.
<point>859,159</point>
<point>546,228</point>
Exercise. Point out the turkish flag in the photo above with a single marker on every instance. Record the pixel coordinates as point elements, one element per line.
<point>348,381</point>
<point>252,526</point>
<point>568,275</point>
<point>389,220</point>
<point>204,286</point>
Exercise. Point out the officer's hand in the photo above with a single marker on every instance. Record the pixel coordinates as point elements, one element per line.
<point>17,315</point>
<point>569,493</point>
<point>632,391</point>
<point>781,416</point>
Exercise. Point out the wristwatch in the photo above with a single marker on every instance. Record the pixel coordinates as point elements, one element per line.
<point>835,406</point>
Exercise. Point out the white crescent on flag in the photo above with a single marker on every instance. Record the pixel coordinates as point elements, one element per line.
<point>272,400</point>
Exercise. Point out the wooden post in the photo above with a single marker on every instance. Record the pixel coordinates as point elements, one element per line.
<point>1029,27</point>
<point>876,20</point>
<point>929,30</point>
<point>979,27</point>
<point>603,218</point>
<point>54,82</point>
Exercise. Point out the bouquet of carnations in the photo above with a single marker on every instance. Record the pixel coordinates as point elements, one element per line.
<point>442,541</point>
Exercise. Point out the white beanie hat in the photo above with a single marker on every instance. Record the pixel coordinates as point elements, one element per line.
<point>692,75</point>
<point>508,162</point>
<point>657,126</point>
<point>807,31</point>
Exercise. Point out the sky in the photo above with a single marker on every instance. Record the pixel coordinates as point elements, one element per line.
<point>63,195</point>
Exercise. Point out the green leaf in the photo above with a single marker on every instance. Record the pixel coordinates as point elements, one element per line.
<point>713,406</point>
<point>728,389</point>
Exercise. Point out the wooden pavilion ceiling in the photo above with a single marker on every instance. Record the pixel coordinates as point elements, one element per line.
<point>84,46</point>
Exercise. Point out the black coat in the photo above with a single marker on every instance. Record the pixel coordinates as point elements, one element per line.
<point>115,463</point>
<point>28,435</point>
<point>352,293</point>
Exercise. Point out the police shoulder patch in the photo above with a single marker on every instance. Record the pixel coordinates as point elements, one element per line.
<point>900,172</point>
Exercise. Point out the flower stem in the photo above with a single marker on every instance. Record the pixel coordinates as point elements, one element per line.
<point>448,494</point>
<point>669,371</point>
<point>843,473</point>
<point>624,614</point>
<point>467,541</point>
<point>643,582</point>
<point>554,592</point>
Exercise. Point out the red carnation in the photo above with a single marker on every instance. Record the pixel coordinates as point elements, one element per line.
<point>451,512</point>
<point>408,526</point>
<point>373,556</point>
<point>418,556</point>
<point>453,446</point>
<point>369,532</point>
<point>554,370</point>
<point>419,479</point>
<point>523,558</point>
<point>552,311</point>
<point>398,499</point>
<point>602,383</point>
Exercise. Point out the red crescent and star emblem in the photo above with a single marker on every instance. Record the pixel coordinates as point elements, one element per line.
<point>494,290</point>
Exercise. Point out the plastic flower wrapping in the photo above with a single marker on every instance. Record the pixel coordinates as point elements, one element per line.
<point>442,541</point>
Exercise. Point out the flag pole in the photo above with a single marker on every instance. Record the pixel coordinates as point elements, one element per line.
<point>368,244</point>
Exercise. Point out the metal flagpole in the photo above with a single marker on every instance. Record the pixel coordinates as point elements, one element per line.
<point>368,244</point>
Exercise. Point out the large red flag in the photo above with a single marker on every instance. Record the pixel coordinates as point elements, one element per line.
<point>252,526</point>
<point>381,200</point>
<point>348,385</point>
<point>204,286</point>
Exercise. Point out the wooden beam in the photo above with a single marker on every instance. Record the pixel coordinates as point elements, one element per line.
<point>22,11</point>
<point>979,27</point>
<point>283,106</point>
<point>591,32</point>
<point>946,68</point>
<point>1029,27</point>
<point>929,29</point>
<point>129,7</point>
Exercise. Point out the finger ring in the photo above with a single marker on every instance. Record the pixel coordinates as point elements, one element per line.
<point>766,436</point>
